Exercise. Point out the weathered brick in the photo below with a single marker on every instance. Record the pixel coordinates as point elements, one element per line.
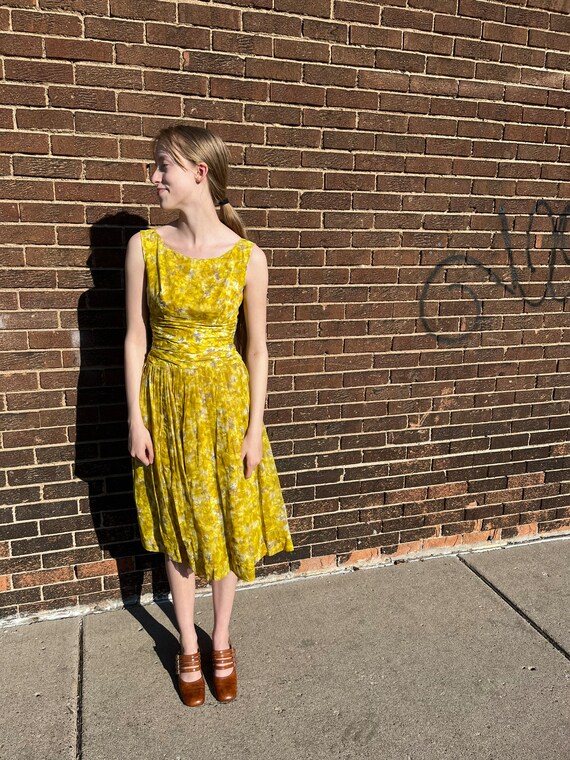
<point>78,49</point>
<point>113,29</point>
<point>24,45</point>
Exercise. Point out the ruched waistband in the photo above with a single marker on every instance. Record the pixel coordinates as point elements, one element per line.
<point>177,342</point>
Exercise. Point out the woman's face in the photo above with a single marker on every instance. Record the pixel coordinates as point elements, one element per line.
<point>173,182</point>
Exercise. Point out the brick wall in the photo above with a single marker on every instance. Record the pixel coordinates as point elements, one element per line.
<point>405,166</point>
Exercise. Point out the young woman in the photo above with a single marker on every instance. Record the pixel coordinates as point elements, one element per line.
<point>205,483</point>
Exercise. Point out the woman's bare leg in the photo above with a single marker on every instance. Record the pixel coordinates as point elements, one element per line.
<point>223,593</point>
<point>183,587</point>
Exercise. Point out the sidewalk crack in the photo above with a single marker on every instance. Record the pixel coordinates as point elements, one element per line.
<point>517,609</point>
<point>79,697</point>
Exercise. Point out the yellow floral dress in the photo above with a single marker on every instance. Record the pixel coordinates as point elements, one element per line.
<point>194,502</point>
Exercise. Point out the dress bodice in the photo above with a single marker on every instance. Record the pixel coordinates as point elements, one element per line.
<point>193,303</point>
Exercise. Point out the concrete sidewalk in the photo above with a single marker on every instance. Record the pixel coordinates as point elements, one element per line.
<point>462,656</point>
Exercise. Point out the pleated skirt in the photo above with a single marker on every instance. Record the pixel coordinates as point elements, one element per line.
<point>194,503</point>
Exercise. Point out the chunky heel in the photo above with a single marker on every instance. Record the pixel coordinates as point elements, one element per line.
<point>225,687</point>
<point>192,692</point>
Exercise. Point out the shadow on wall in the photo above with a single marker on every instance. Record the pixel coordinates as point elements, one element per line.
<point>102,459</point>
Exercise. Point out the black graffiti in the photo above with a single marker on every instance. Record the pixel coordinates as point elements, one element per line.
<point>515,286</point>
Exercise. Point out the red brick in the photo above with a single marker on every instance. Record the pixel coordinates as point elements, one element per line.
<point>401,61</point>
<point>481,90</point>
<point>15,94</point>
<point>225,18</point>
<point>428,43</point>
<point>548,40</point>
<point>285,93</point>
<point>320,8</point>
<point>429,126</point>
<point>147,55</point>
<point>428,85</point>
<point>283,71</point>
<point>513,35</point>
<point>20,45</point>
<point>50,213</point>
<point>450,67</point>
<point>484,10</point>
<point>93,146</point>
<point>41,577</point>
<point>557,61</point>
<point>112,29</point>
<point>80,98</point>
<point>543,116</point>
<point>99,7</point>
<point>354,11</point>
<point>106,567</point>
<point>448,147</point>
<point>523,55</point>
<point>21,189</point>
<point>78,50</point>
<point>229,42</point>
<point>526,95</point>
<point>38,71</point>
<point>457,26</point>
<point>87,192</point>
<point>268,23</point>
<point>498,72</point>
<point>559,23</point>
<point>173,83</point>
<point>351,56</point>
<point>440,6</point>
<point>46,167</point>
<point>24,142</point>
<point>108,77</point>
<point>500,112</point>
<point>377,37</point>
<point>478,50</point>
<point>313,75</point>
<point>407,19</point>
<point>29,118</point>
<point>153,10</point>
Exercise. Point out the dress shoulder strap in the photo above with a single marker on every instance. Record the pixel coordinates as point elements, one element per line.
<point>247,245</point>
<point>148,242</point>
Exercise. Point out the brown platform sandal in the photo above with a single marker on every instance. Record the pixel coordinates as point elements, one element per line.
<point>192,692</point>
<point>225,687</point>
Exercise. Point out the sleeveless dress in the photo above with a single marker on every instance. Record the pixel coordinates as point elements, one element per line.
<point>194,502</point>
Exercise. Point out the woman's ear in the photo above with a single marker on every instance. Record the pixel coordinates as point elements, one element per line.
<point>200,171</point>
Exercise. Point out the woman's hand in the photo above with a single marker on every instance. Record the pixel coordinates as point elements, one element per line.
<point>140,443</point>
<point>251,452</point>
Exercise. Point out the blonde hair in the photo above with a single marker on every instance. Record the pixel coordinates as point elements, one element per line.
<point>200,145</point>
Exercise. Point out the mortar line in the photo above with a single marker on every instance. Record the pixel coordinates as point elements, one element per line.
<point>517,609</point>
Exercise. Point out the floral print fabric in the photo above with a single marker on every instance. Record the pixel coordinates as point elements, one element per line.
<point>193,502</point>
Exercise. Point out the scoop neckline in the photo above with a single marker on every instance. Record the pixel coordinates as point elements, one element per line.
<point>195,258</point>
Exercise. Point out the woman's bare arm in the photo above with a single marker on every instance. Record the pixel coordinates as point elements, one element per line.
<point>256,359</point>
<point>140,444</point>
